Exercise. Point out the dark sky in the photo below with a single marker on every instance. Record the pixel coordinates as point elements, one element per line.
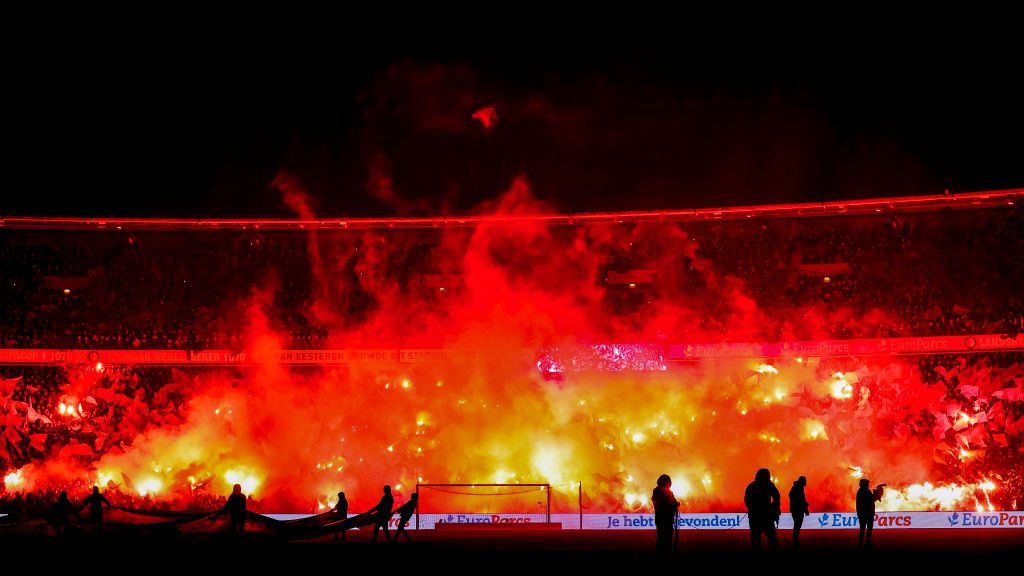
<point>167,124</point>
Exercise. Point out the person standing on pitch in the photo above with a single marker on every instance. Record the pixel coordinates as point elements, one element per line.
<point>665,508</point>
<point>405,512</point>
<point>866,498</point>
<point>382,514</point>
<point>341,513</point>
<point>798,507</point>
<point>763,508</point>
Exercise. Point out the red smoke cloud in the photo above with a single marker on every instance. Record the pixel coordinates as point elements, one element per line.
<point>504,291</point>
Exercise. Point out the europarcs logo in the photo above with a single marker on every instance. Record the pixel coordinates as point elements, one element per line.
<point>982,519</point>
<point>837,520</point>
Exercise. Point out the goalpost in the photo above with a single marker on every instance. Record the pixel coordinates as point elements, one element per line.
<point>469,499</point>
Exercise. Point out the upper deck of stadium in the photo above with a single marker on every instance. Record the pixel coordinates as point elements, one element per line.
<point>864,207</point>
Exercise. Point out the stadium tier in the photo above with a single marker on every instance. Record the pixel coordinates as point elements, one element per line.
<point>169,360</point>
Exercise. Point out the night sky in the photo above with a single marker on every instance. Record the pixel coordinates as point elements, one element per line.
<point>175,124</point>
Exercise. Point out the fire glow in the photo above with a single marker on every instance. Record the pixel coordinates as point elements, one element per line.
<point>13,480</point>
<point>599,428</point>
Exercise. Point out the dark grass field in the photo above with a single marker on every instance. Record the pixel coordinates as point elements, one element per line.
<point>994,551</point>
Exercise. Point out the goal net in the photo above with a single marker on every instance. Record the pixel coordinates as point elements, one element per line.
<point>475,499</point>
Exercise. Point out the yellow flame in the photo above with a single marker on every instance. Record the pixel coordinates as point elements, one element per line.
<point>924,497</point>
<point>14,479</point>
<point>149,486</point>
<point>503,476</point>
<point>813,430</point>
<point>248,481</point>
<point>551,461</point>
<point>680,485</point>
<point>841,388</point>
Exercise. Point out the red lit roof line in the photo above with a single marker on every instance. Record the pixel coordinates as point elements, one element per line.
<point>970,200</point>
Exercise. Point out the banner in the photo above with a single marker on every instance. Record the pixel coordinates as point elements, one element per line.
<point>235,357</point>
<point>127,356</point>
<point>594,357</point>
<point>724,521</point>
<point>731,520</point>
<point>855,347</point>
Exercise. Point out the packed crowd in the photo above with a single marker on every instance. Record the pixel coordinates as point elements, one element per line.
<point>940,273</point>
<point>885,276</point>
<point>39,501</point>
<point>117,290</point>
<point>970,408</point>
<point>45,421</point>
<point>44,415</point>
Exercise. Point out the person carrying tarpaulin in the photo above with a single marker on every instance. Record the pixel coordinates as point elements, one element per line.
<point>95,502</point>
<point>341,512</point>
<point>764,505</point>
<point>382,514</point>
<point>405,512</point>
<point>14,509</point>
<point>59,514</point>
<point>235,507</point>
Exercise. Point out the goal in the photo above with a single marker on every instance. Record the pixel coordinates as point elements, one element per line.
<point>511,501</point>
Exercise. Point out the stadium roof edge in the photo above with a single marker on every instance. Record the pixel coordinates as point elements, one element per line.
<point>891,205</point>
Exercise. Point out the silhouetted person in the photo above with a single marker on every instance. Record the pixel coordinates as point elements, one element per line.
<point>382,514</point>
<point>405,512</point>
<point>341,513</point>
<point>866,498</point>
<point>59,514</point>
<point>235,507</point>
<point>15,508</point>
<point>95,502</point>
<point>764,504</point>
<point>665,508</point>
<point>798,507</point>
